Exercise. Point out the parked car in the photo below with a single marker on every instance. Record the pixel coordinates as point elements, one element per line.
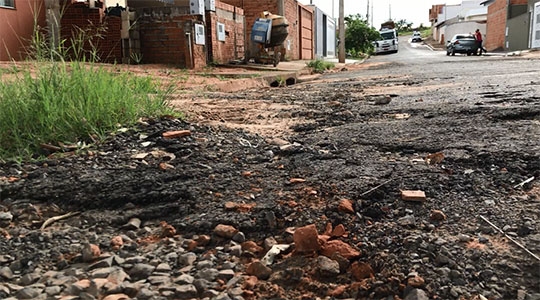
<point>416,37</point>
<point>462,43</point>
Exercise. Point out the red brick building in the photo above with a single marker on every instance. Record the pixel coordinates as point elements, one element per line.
<point>156,31</point>
<point>299,43</point>
<point>89,33</point>
<point>506,17</point>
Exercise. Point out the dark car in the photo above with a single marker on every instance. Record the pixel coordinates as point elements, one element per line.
<point>462,43</point>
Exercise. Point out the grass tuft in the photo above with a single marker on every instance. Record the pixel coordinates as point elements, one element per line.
<point>67,103</point>
<point>319,65</point>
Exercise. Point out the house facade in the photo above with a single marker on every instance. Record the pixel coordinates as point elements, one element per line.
<point>17,23</point>
<point>299,42</point>
<point>324,41</point>
<point>186,33</point>
<point>534,35</point>
<point>508,25</point>
<point>449,20</point>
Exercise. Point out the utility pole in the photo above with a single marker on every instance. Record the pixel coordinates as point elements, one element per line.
<point>367,12</point>
<point>341,32</point>
<point>372,14</point>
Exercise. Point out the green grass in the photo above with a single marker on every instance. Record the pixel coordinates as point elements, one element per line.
<point>319,65</point>
<point>67,103</point>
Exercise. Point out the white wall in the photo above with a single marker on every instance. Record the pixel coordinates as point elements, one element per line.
<point>463,27</point>
<point>113,3</point>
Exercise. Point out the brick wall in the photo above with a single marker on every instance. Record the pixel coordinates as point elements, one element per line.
<point>496,25</point>
<point>164,40</point>
<point>232,48</point>
<point>97,31</point>
<point>434,12</point>
<point>252,11</point>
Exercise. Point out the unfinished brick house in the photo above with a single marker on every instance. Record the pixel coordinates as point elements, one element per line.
<point>150,31</point>
<point>299,43</point>
<point>184,33</point>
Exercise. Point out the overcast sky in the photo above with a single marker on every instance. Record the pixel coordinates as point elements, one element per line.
<point>415,11</point>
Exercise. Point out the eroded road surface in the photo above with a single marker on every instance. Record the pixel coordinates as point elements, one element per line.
<point>408,176</point>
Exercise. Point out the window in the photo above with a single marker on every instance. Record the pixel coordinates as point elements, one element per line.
<point>7,3</point>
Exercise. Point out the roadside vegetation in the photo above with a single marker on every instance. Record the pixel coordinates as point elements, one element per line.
<point>320,65</point>
<point>51,103</point>
<point>359,36</point>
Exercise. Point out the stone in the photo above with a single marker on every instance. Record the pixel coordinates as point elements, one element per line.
<point>338,246</point>
<point>437,215</point>
<point>28,293</point>
<point>306,239</point>
<point>209,274</point>
<point>132,224</point>
<point>104,263</point>
<point>203,240</point>
<point>159,280</point>
<point>184,279</point>
<point>339,231</point>
<point>102,272</point>
<point>327,266</point>
<point>116,297</point>
<point>226,231</point>
<point>6,273</point>
<point>259,270</point>
<point>163,267</point>
<point>225,275</point>
<point>141,271</point>
<point>186,291</point>
<point>187,259</point>
<point>249,282</point>
<point>239,237</point>
<point>53,290</point>
<point>416,294</point>
<point>338,291</point>
<point>29,279</point>
<point>117,242</point>
<point>90,252</point>
<point>415,281</point>
<point>145,294</point>
<point>362,270</point>
<point>346,206</point>
<point>252,247</point>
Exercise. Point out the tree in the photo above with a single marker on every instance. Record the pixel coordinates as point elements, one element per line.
<point>359,35</point>
<point>403,25</point>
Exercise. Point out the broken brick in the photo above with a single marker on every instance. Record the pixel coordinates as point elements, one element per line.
<point>176,134</point>
<point>417,196</point>
<point>346,206</point>
<point>306,239</point>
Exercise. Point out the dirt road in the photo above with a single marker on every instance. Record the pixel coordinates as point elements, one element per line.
<point>342,153</point>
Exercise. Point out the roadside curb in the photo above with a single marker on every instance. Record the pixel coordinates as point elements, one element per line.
<point>276,79</point>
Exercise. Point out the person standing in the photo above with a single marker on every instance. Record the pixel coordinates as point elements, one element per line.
<point>479,40</point>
